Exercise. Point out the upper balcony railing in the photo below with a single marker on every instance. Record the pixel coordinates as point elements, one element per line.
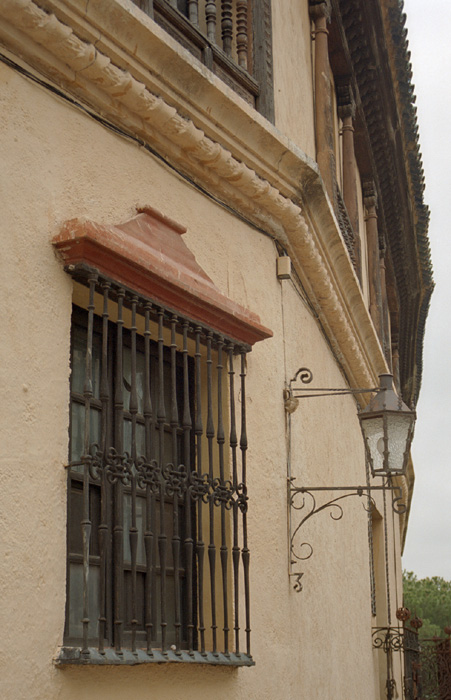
<point>231,37</point>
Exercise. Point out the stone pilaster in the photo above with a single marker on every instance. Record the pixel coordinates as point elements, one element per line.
<point>320,14</point>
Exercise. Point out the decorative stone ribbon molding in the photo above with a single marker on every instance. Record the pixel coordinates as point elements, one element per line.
<point>312,239</point>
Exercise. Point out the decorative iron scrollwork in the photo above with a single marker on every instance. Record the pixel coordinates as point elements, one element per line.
<point>242,497</point>
<point>388,639</point>
<point>175,480</point>
<point>299,498</point>
<point>199,487</point>
<point>119,467</point>
<point>94,460</point>
<point>148,474</point>
<point>222,493</point>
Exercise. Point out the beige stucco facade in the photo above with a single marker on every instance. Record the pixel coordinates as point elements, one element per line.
<point>58,163</point>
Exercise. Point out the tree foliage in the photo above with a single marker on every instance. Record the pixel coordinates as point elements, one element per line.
<point>429,599</point>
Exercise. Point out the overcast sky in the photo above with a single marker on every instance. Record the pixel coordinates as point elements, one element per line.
<point>428,545</point>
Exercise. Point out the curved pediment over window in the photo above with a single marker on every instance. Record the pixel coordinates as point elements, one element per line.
<point>148,254</point>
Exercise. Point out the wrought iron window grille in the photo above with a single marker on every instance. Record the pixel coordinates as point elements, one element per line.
<point>402,640</point>
<point>158,557</point>
<point>302,502</point>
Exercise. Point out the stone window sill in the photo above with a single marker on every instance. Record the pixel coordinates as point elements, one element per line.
<point>68,656</point>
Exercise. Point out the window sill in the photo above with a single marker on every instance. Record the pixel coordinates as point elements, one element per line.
<point>72,656</point>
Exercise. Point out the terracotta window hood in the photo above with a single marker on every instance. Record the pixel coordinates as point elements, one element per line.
<point>148,255</point>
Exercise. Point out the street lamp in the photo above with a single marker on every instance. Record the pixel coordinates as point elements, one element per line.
<point>387,426</point>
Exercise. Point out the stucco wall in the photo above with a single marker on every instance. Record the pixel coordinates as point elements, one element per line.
<point>293,90</point>
<point>59,164</point>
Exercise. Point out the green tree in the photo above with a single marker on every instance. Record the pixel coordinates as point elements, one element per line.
<point>429,599</point>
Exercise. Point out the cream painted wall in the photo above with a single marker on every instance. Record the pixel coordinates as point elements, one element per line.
<point>59,164</point>
<point>293,84</point>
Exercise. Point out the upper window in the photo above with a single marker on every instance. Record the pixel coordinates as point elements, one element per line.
<point>157,542</point>
<point>231,37</point>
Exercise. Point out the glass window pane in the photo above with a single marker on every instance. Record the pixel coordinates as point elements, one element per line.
<point>77,435</point>
<point>127,377</point>
<point>76,600</point>
<point>140,515</point>
<point>79,338</point>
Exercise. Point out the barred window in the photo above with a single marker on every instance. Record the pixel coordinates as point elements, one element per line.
<point>158,558</point>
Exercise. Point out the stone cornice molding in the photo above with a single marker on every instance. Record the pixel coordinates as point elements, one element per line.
<point>261,188</point>
<point>345,99</point>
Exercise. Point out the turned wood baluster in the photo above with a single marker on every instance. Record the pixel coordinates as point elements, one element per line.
<point>242,33</point>
<point>226,26</point>
<point>210,17</point>
<point>193,12</point>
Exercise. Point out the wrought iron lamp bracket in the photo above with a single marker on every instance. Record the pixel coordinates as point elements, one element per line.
<point>300,497</point>
<point>294,392</point>
<point>303,499</point>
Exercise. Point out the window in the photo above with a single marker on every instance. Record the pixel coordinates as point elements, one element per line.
<point>158,559</point>
<point>231,37</point>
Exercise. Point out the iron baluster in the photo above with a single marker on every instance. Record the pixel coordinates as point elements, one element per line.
<point>245,550</point>
<point>150,493</point>
<point>242,32</point>
<point>226,26</point>
<point>220,438</point>
<point>86,522</point>
<point>189,544</point>
<point>103,526</point>
<point>235,548</point>
<point>161,418</point>
<point>210,432</point>
<point>133,532</point>
<point>118,530</point>
<point>200,545</point>
<point>175,515</point>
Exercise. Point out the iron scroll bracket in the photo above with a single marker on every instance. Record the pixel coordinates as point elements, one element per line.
<point>304,376</point>
<point>303,502</point>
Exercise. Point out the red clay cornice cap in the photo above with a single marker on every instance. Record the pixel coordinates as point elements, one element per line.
<point>147,254</point>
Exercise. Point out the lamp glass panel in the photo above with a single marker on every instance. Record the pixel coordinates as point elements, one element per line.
<point>373,430</point>
<point>398,426</point>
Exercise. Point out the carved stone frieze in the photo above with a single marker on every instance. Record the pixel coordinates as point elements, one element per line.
<point>310,235</point>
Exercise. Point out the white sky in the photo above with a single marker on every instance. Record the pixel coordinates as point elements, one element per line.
<point>428,545</point>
